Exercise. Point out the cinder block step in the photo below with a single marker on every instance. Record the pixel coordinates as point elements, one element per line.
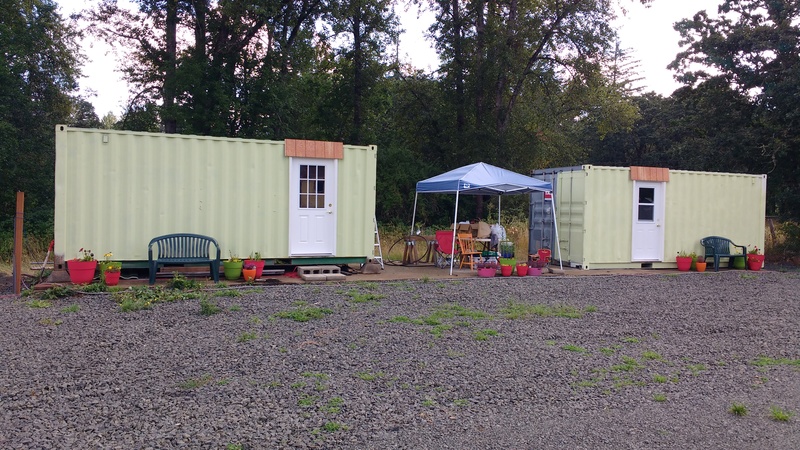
<point>320,273</point>
<point>318,270</point>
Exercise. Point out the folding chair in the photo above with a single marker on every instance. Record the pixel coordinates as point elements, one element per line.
<point>444,248</point>
<point>469,256</point>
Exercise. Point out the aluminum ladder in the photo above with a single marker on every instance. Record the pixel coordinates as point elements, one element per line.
<point>376,248</point>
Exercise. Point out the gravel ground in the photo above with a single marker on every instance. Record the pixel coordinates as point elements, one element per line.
<point>653,361</point>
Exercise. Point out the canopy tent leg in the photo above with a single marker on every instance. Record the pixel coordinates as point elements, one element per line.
<point>499,207</point>
<point>414,216</point>
<point>453,241</point>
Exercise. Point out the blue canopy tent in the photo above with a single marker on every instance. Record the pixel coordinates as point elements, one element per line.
<point>479,179</point>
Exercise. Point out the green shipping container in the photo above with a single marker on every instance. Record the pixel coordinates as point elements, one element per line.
<point>291,200</point>
<point>634,217</point>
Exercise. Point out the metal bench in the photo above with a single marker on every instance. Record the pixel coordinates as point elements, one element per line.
<point>719,247</point>
<point>182,248</point>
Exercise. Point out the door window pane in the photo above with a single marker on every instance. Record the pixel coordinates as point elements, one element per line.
<point>647,195</point>
<point>646,213</point>
<point>312,186</point>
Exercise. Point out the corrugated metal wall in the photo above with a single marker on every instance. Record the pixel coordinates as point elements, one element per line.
<point>116,190</point>
<point>595,213</point>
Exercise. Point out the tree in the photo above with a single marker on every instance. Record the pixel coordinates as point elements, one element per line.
<point>37,78</point>
<point>753,47</point>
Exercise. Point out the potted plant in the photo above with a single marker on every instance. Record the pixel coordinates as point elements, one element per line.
<point>755,259</point>
<point>684,261</point>
<point>739,259</point>
<point>249,272</point>
<point>232,267</point>
<point>110,271</point>
<point>81,269</point>
<point>255,259</point>
<point>700,264</point>
<point>522,269</point>
<point>535,267</point>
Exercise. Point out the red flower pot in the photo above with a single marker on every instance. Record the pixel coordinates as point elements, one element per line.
<point>506,270</point>
<point>259,266</point>
<point>754,264</point>
<point>112,278</point>
<point>522,270</point>
<point>684,263</point>
<point>81,272</point>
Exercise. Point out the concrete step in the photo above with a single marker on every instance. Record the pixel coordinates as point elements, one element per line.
<point>320,273</point>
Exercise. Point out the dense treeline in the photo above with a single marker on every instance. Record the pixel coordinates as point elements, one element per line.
<point>522,84</point>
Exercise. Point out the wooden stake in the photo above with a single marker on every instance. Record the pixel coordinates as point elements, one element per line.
<point>18,243</point>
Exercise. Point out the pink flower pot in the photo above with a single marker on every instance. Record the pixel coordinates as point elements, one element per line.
<point>112,278</point>
<point>534,271</point>
<point>81,272</point>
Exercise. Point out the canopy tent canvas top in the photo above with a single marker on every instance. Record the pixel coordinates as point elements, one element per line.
<point>478,179</point>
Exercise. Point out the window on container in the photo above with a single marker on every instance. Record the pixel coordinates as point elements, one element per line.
<point>647,205</point>
<point>312,186</point>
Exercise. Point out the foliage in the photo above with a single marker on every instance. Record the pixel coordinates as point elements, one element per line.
<point>86,255</point>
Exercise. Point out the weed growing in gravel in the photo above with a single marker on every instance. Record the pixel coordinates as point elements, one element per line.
<point>738,409</point>
<point>608,350</point>
<point>247,336</point>
<point>39,304</point>
<point>429,402</point>
<point>182,283</point>
<point>94,287</point>
<point>142,297</point>
<point>483,335</point>
<point>659,378</point>
<point>73,308</point>
<point>298,385</point>
<point>303,313</point>
<point>194,383</point>
<point>49,321</point>
<point>227,292</point>
<point>449,312</point>
<point>454,354</point>
<point>586,383</point>
<point>208,307</point>
<point>764,361</point>
<point>461,402</point>
<point>573,348</point>
<point>331,427</point>
<point>516,310</point>
<point>659,397</point>
<point>234,447</point>
<point>696,368</point>
<point>651,355</point>
<point>317,375</point>
<point>550,343</point>
<point>779,415</point>
<point>369,376</point>
<point>745,276</point>
<point>590,309</point>
<point>628,365</point>
<point>306,400</point>
<point>234,308</point>
<point>363,297</point>
<point>56,292</point>
<point>630,340</point>
<point>333,406</point>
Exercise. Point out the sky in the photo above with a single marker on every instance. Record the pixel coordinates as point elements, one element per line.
<point>647,32</point>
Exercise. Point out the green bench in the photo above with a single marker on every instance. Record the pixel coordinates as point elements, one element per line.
<point>719,247</point>
<point>182,248</point>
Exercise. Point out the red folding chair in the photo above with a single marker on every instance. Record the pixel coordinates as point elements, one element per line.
<point>444,248</point>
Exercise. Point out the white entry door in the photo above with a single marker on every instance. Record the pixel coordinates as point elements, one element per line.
<point>648,221</point>
<point>312,208</point>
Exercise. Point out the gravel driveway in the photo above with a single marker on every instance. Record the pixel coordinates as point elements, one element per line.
<point>653,361</point>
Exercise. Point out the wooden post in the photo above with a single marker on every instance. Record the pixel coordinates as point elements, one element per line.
<point>18,243</point>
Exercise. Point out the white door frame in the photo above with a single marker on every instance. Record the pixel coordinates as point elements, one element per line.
<point>312,231</point>
<point>647,232</point>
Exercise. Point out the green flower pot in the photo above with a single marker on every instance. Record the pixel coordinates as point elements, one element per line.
<point>233,269</point>
<point>738,262</point>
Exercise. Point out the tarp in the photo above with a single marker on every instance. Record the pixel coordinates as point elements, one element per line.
<point>482,179</point>
<point>479,179</point>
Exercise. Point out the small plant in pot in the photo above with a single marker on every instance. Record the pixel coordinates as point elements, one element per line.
<point>255,259</point>
<point>684,261</point>
<point>755,259</point>
<point>249,272</point>
<point>232,267</point>
<point>81,269</point>
<point>110,271</point>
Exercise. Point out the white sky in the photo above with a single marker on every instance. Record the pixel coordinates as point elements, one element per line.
<point>646,31</point>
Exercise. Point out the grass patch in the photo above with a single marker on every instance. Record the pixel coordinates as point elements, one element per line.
<point>194,383</point>
<point>369,376</point>
<point>331,427</point>
<point>227,292</point>
<point>181,283</point>
<point>208,307</point>
<point>38,304</point>
<point>73,308</point>
<point>651,356</point>
<point>363,297</point>
<point>334,406</point>
<point>696,368</point>
<point>247,336</point>
<point>484,335</point>
<point>303,313</point>
<point>738,409</point>
<point>660,378</point>
<point>659,397</point>
<point>317,375</point>
<point>573,348</point>
<point>780,415</point>
<point>56,292</point>
<point>630,340</point>
<point>143,297</point>
<point>516,310</point>
<point>306,401</point>
<point>764,361</point>
<point>628,365</point>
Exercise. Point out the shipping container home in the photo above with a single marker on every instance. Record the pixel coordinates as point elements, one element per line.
<point>294,201</point>
<point>641,217</point>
